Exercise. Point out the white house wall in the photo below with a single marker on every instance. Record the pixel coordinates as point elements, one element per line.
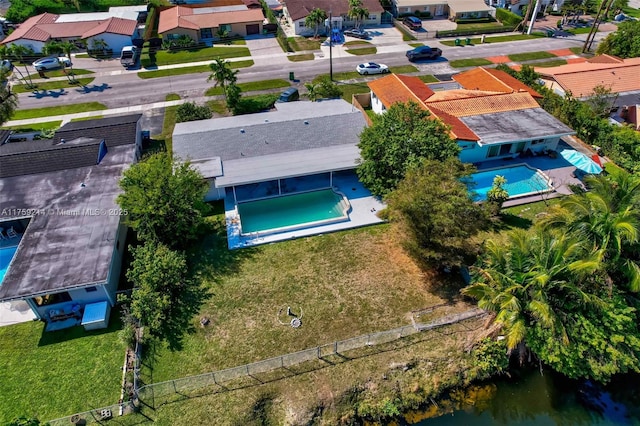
<point>114,42</point>
<point>36,46</point>
<point>376,104</point>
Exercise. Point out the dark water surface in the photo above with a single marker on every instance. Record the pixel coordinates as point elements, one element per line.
<point>532,399</point>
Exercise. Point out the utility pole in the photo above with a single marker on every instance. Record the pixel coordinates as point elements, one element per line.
<point>330,48</point>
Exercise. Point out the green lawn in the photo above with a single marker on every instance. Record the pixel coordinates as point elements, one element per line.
<point>190,70</point>
<point>478,26</point>
<point>50,375</point>
<point>576,50</point>
<point>530,56</point>
<point>60,73</point>
<point>353,75</point>
<point>472,62</point>
<point>630,11</point>
<point>24,114</point>
<point>52,85</point>
<point>403,69</point>
<point>35,127</point>
<point>576,31</point>
<point>418,44</point>
<point>498,39</point>
<point>302,57</point>
<point>360,51</point>
<point>252,86</point>
<point>428,78</point>
<point>551,63</point>
<point>300,44</point>
<point>93,117</point>
<point>172,97</point>
<point>164,57</point>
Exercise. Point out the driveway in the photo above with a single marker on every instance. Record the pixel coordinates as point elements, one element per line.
<point>441,24</point>
<point>265,49</point>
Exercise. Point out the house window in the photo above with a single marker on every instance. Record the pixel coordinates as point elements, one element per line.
<point>427,9</point>
<point>301,24</point>
<point>206,33</point>
<point>91,289</point>
<point>537,141</point>
<point>52,299</point>
<point>520,146</point>
<point>407,9</point>
<point>225,27</point>
<point>493,151</point>
<point>373,17</point>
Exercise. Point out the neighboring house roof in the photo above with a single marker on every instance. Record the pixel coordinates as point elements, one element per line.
<point>196,18</point>
<point>299,9</point>
<point>492,80</point>
<point>298,138</point>
<point>475,114</point>
<point>462,6</point>
<point>47,26</point>
<point>115,130</point>
<point>400,88</point>
<point>418,3</point>
<point>69,241</point>
<point>580,79</point>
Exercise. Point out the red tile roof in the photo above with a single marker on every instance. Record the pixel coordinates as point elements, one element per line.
<point>45,27</point>
<point>299,9</point>
<point>396,88</point>
<point>619,75</point>
<point>184,17</point>
<point>488,104</point>
<point>492,80</point>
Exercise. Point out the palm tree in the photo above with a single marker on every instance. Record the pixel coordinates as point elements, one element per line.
<point>8,100</point>
<point>18,52</point>
<point>68,47</point>
<point>315,18</point>
<point>357,12</point>
<point>608,218</point>
<point>533,278</point>
<point>223,75</point>
<point>52,48</point>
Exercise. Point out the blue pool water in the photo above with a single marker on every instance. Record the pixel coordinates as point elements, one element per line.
<point>290,211</point>
<point>521,180</point>
<point>6,254</point>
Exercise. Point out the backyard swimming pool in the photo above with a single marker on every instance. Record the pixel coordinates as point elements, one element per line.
<point>6,254</point>
<point>521,180</point>
<point>290,212</point>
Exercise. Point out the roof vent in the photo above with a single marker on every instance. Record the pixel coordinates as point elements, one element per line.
<point>306,122</point>
<point>62,140</point>
<point>266,120</point>
<point>241,130</point>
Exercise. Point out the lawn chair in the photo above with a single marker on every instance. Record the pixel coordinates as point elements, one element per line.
<point>11,233</point>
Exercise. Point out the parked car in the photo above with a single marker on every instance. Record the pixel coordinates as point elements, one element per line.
<point>128,56</point>
<point>289,95</point>
<point>424,52</point>
<point>372,68</point>
<point>51,63</point>
<point>357,33</point>
<point>412,22</point>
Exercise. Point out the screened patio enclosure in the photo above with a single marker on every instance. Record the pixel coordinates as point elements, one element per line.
<point>286,186</point>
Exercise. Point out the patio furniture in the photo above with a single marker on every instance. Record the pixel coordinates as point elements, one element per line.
<point>96,315</point>
<point>581,161</point>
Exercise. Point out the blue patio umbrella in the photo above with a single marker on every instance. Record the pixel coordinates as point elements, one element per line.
<point>581,161</point>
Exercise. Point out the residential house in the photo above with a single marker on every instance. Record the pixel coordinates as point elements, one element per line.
<point>451,9</point>
<point>116,31</point>
<point>296,11</point>
<point>489,113</point>
<point>62,233</point>
<point>202,23</point>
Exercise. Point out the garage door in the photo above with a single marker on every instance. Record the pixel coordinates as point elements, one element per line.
<point>253,29</point>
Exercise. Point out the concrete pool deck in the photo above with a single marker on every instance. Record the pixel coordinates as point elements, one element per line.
<point>364,208</point>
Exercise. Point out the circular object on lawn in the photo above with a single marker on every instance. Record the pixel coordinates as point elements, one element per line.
<point>295,322</point>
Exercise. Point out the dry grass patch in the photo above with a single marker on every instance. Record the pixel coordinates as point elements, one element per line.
<point>346,284</point>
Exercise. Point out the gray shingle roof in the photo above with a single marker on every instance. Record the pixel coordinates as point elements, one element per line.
<point>114,130</point>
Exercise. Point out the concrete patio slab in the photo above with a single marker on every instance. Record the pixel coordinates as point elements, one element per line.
<point>15,312</point>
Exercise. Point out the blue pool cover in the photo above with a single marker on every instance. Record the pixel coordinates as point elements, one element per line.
<point>95,312</point>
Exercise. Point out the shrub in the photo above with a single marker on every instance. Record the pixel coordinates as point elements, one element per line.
<point>189,111</point>
<point>507,17</point>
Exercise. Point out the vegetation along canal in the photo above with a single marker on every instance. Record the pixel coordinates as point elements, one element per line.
<point>529,398</point>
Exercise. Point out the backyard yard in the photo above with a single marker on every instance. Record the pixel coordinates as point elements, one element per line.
<point>54,374</point>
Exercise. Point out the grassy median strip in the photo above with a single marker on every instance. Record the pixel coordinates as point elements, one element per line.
<point>497,39</point>
<point>24,114</point>
<point>61,73</point>
<point>252,86</point>
<point>472,62</point>
<point>52,85</point>
<point>190,70</point>
<point>300,44</point>
<point>27,128</point>
<point>530,56</point>
<point>302,57</point>
<point>164,57</point>
<point>551,63</point>
<point>359,51</point>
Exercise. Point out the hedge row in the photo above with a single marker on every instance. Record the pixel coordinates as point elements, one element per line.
<point>456,33</point>
<point>507,17</point>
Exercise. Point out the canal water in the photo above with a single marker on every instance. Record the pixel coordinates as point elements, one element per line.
<point>531,399</point>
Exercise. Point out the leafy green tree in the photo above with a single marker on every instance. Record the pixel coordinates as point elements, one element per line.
<point>489,358</point>
<point>624,42</point>
<point>433,208</point>
<point>223,75</point>
<point>25,421</point>
<point>327,89</point>
<point>189,111</point>
<point>314,19</point>
<point>399,139</point>
<point>162,297</point>
<point>601,101</point>
<point>357,12</point>
<point>599,344</point>
<point>533,279</point>
<point>8,99</point>
<point>164,200</point>
<point>234,94</point>
<point>312,91</point>
<point>608,218</point>
<point>51,47</point>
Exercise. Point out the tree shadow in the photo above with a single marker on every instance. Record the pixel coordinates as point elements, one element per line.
<point>93,88</point>
<point>39,94</point>
<point>511,221</point>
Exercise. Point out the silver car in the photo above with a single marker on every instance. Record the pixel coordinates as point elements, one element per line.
<point>372,68</point>
<point>51,63</point>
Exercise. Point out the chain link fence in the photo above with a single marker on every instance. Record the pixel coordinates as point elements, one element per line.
<point>156,394</point>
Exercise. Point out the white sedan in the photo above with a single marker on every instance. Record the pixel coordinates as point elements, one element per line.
<point>51,63</point>
<point>372,68</point>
